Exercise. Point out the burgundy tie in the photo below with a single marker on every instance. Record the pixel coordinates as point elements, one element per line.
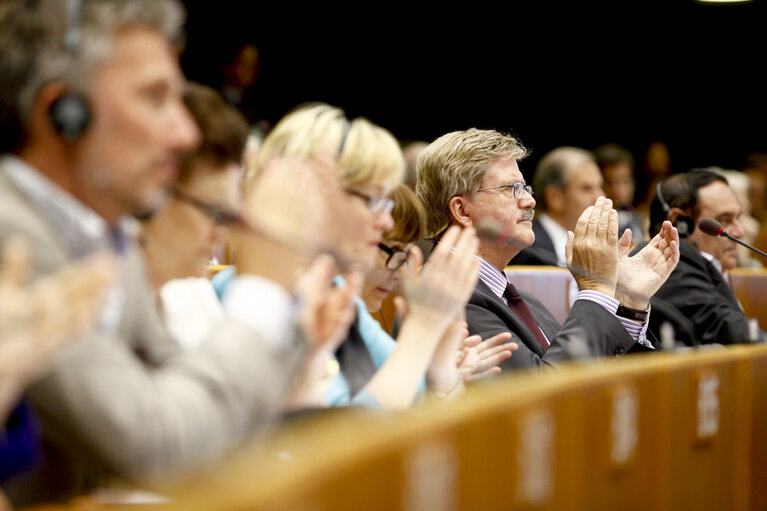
<point>519,307</point>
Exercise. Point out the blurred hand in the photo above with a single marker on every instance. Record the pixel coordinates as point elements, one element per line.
<point>439,292</point>
<point>641,275</point>
<point>592,251</point>
<point>327,311</point>
<point>479,359</point>
<point>37,320</point>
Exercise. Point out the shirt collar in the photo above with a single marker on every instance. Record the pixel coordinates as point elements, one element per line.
<point>494,278</point>
<point>713,260</point>
<point>81,229</point>
<point>558,236</point>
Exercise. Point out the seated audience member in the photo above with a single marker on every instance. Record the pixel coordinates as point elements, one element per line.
<point>35,322</point>
<point>697,290</point>
<point>472,177</point>
<point>88,138</point>
<point>617,166</point>
<point>370,164</point>
<point>739,184</point>
<point>397,260</point>
<point>566,182</point>
<point>179,239</point>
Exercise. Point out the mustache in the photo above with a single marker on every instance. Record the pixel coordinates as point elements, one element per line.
<point>528,214</point>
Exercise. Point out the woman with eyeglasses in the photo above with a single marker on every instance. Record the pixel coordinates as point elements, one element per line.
<point>369,165</point>
<point>456,358</point>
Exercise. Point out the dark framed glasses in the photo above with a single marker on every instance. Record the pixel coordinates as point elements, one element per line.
<point>216,212</point>
<point>375,203</point>
<point>396,257</point>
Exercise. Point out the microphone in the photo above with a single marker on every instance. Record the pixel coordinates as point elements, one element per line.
<point>713,228</point>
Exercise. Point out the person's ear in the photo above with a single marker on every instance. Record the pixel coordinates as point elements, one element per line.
<point>460,211</point>
<point>679,218</point>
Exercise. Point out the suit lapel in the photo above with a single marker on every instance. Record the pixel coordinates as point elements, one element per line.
<point>515,324</point>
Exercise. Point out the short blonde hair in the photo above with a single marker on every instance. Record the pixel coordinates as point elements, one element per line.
<point>367,154</point>
<point>456,164</point>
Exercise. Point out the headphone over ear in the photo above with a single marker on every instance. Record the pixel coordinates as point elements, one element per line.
<point>684,224</point>
<point>71,113</point>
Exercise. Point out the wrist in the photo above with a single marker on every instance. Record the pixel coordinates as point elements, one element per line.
<point>633,301</point>
<point>587,285</point>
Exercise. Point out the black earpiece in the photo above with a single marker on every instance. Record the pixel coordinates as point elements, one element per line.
<point>684,224</point>
<point>71,113</point>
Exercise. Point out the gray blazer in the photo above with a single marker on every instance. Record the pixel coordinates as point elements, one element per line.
<point>602,333</point>
<point>131,404</point>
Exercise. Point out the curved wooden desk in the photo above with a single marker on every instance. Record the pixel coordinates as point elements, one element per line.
<point>664,432</point>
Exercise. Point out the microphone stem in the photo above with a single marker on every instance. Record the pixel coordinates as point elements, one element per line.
<point>736,240</point>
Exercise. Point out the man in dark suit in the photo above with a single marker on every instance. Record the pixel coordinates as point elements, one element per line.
<point>566,181</point>
<point>696,298</point>
<point>472,176</point>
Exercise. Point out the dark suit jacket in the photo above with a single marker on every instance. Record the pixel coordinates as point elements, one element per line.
<point>699,292</point>
<point>601,332</point>
<point>536,255</point>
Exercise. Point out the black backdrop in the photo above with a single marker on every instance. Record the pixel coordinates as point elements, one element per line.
<point>553,73</point>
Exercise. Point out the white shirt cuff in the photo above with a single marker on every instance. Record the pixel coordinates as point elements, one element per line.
<point>637,330</point>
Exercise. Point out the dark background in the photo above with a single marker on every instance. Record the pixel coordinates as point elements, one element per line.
<point>630,72</point>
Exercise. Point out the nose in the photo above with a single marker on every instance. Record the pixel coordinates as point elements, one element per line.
<point>737,229</point>
<point>384,221</point>
<point>527,201</point>
<point>183,132</point>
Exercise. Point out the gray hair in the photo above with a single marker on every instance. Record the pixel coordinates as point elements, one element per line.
<point>33,51</point>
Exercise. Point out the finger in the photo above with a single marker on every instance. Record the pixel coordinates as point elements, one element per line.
<point>472,340</point>
<point>478,376</point>
<point>603,220</point>
<point>490,362</point>
<point>592,227</point>
<point>581,227</point>
<point>15,262</point>
<point>569,247</point>
<point>495,340</point>
<point>401,307</point>
<point>446,243</point>
<point>612,226</point>
<point>624,244</point>
<point>512,346</point>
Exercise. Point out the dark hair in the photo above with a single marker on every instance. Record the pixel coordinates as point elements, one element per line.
<point>681,191</point>
<point>609,155</point>
<point>223,127</point>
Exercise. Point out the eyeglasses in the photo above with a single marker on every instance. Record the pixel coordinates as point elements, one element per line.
<point>397,257</point>
<point>516,189</point>
<point>375,203</point>
<point>219,214</point>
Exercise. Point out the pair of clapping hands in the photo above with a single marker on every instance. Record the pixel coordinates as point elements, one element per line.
<point>600,261</point>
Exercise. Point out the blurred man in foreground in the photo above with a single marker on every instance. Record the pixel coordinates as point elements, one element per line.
<point>93,125</point>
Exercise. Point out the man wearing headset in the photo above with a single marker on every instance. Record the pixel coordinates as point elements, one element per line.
<point>696,298</point>
<point>92,126</point>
